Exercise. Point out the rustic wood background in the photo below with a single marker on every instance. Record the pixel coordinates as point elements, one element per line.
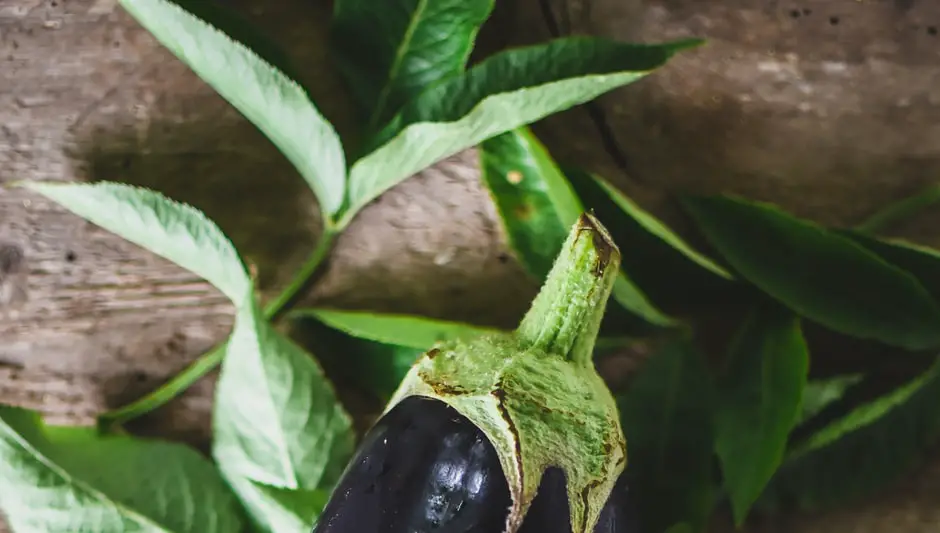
<point>830,119</point>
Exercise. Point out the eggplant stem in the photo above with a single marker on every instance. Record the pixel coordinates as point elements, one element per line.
<point>566,315</point>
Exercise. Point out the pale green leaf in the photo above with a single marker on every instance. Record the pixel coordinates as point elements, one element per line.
<point>402,330</point>
<point>277,105</point>
<point>277,420</point>
<point>175,231</point>
<point>278,510</point>
<point>506,91</point>
<point>72,480</point>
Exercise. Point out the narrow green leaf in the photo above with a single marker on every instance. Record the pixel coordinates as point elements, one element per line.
<point>277,105</point>
<point>759,402</point>
<point>175,231</point>
<point>375,351</point>
<point>639,224</point>
<point>535,202</point>
<point>402,330</point>
<point>391,51</point>
<point>920,261</point>
<point>821,275</point>
<point>277,420</point>
<point>277,510</point>
<point>69,479</point>
<point>856,456</point>
<point>822,393</point>
<point>667,422</point>
<point>680,528</point>
<point>506,91</point>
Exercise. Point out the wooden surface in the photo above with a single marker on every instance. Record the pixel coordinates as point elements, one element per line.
<point>88,321</point>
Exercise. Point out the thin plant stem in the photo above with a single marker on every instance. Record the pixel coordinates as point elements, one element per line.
<point>208,361</point>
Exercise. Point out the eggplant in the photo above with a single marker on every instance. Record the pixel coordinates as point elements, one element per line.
<point>422,468</point>
<point>506,432</point>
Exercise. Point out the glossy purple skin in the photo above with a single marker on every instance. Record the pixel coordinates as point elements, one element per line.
<point>424,468</point>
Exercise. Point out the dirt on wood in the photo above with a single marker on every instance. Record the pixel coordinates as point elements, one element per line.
<point>830,119</point>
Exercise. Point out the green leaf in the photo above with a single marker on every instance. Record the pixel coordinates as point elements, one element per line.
<point>920,261</point>
<point>277,420</point>
<point>667,421</point>
<point>670,271</point>
<point>277,510</point>
<point>857,455</point>
<point>506,91</point>
<point>70,479</point>
<point>175,231</point>
<point>680,528</point>
<point>759,402</point>
<point>537,206</point>
<point>822,393</point>
<point>277,105</point>
<point>375,351</point>
<point>535,202</point>
<point>819,274</point>
<point>390,52</point>
<point>403,330</point>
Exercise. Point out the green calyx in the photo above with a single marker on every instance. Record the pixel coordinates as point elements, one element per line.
<point>535,392</point>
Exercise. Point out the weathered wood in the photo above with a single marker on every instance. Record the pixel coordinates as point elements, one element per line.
<point>777,108</point>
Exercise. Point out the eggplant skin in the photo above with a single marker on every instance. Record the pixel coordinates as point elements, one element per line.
<point>422,468</point>
<point>549,512</point>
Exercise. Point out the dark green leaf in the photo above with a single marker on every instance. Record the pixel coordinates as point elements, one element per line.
<point>70,479</point>
<point>537,206</point>
<point>175,231</point>
<point>277,105</point>
<point>822,393</point>
<point>821,275</point>
<point>920,261</point>
<point>277,420</point>
<point>535,202</point>
<point>667,422</point>
<point>506,91</point>
<point>859,454</point>
<point>391,51</point>
<point>670,271</point>
<point>759,402</point>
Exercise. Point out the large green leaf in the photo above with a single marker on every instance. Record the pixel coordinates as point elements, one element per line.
<point>667,421</point>
<point>670,270</point>
<point>391,51</point>
<point>277,510</point>
<point>176,231</point>
<point>537,205</point>
<point>506,91</point>
<point>535,202</point>
<point>277,420</point>
<point>758,402</point>
<point>277,105</point>
<point>857,455</point>
<point>821,275</point>
<point>69,479</point>
<point>920,261</point>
